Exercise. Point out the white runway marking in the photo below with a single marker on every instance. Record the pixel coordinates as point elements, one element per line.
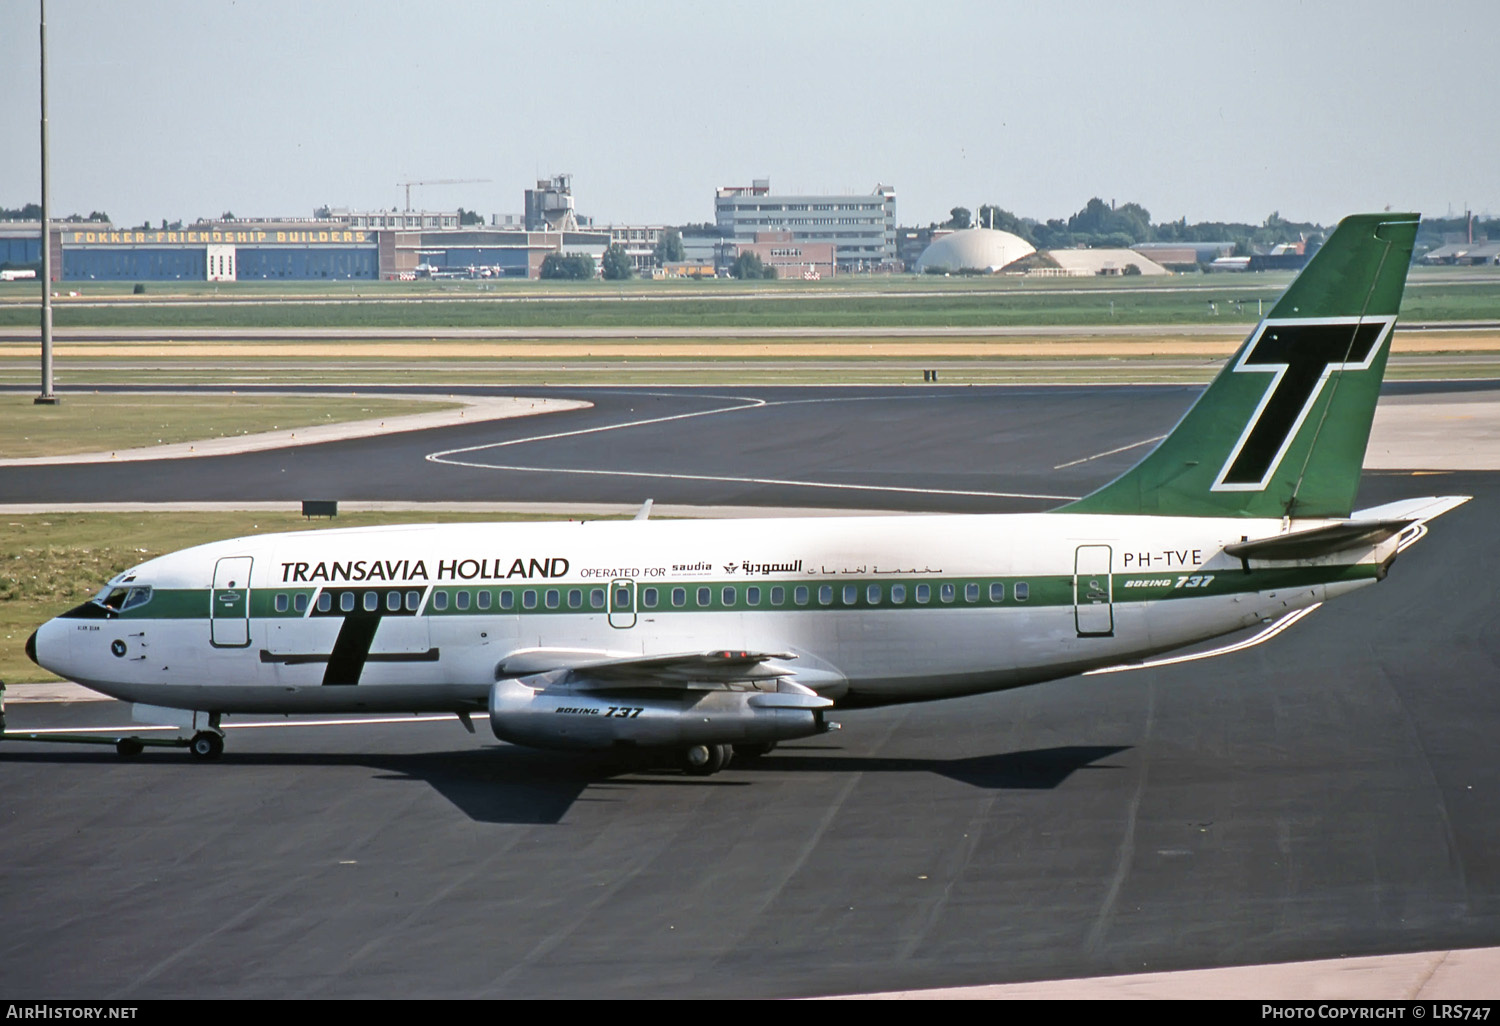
<point>745,403</point>
<point>446,456</point>
<point>662,475</point>
<point>1111,452</point>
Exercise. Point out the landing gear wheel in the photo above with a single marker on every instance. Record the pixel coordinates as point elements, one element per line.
<point>129,747</point>
<point>755,751</point>
<point>206,745</point>
<point>704,760</point>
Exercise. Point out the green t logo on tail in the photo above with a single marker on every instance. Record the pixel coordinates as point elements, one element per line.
<point>1293,446</point>
<point>1303,356</point>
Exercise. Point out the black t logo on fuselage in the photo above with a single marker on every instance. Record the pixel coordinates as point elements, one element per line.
<point>1306,351</point>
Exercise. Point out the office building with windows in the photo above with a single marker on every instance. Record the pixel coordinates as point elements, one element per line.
<point>861,228</point>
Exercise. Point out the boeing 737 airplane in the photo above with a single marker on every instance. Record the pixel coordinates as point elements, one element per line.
<point>696,640</point>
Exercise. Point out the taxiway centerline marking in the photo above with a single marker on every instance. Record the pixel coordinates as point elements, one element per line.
<point>444,457</point>
<point>1111,452</point>
<point>746,403</point>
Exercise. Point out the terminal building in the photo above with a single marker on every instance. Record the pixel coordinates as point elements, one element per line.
<point>862,229</point>
<point>312,249</point>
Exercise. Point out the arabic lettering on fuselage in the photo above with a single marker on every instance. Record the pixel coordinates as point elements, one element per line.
<point>876,570</point>
<point>764,569</point>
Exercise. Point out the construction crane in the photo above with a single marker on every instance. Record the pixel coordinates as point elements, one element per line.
<point>436,181</point>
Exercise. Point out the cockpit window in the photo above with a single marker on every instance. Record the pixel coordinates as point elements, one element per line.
<point>120,599</point>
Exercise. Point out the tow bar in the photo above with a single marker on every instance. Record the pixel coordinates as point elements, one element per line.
<point>125,744</point>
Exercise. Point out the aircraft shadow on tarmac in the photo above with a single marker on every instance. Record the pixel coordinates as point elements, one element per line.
<point>517,785</point>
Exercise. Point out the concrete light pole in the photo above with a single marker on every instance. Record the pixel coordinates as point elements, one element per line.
<point>47,398</point>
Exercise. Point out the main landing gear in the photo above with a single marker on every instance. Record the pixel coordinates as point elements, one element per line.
<point>706,760</point>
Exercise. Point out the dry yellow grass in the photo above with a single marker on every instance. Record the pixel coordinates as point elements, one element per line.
<point>1081,345</point>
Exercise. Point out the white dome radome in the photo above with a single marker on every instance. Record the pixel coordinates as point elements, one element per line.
<point>975,249</point>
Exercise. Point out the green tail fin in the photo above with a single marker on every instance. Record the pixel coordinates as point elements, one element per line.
<point>1282,429</point>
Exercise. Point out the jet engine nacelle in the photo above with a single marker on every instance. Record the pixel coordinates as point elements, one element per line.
<point>565,717</point>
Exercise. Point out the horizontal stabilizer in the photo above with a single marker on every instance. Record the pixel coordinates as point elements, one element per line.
<point>1418,511</point>
<point>1366,528</point>
<point>1320,541</point>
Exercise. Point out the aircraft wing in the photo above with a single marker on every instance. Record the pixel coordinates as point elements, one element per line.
<point>673,670</point>
<point>770,686</point>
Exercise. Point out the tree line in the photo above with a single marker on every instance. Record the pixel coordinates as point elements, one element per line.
<point>33,212</point>
<point>1106,225</point>
<point>1100,225</point>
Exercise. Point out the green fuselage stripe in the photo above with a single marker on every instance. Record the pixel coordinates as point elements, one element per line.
<point>867,594</point>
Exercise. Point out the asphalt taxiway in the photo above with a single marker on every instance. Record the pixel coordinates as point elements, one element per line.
<point>1334,792</point>
<point>935,449</point>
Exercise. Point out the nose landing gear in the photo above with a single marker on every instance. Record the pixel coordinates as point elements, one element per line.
<point>206,744</point>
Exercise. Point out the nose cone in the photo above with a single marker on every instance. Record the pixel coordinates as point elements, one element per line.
<point>31,647</point>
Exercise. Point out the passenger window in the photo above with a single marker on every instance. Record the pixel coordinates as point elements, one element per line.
<point>1023,591</point>
<point>440,600</point>
<point>801,594</point>
<point>596,598</point>
<point>705,596</point>
<point>946,592</point>
<point>461,600</point>
<point>778,596</point>
<point>346,602</point>
<point>507,600</point>
<point>393,601</point>
<point>898,593</point>
<point>971,593</point>
<point>325,602</point>
<point>575,598</point>
<point>851,594</point>
<point>679,596</point>
<point>528,599</point>
<point>729,595</point>
<point>299,603</point>
<point>825,594</point>
<point>648,598</point>
<point>997,592</point>
<point>872,594</point>
<point>553,598</point>
<point>281,603</point>
<point>371,601</point>
<point>414,599</point>
<point>485,598</point>
<point>924,594</point>
<point>752,596</point>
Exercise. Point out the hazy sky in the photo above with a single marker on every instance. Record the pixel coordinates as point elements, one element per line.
<point>1213,111</point>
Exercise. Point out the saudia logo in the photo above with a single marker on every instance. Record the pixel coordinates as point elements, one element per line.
<point>1301,356</point>
<point>764,568</point>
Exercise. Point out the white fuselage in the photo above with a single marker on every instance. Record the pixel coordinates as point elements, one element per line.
<point>875,609</point>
